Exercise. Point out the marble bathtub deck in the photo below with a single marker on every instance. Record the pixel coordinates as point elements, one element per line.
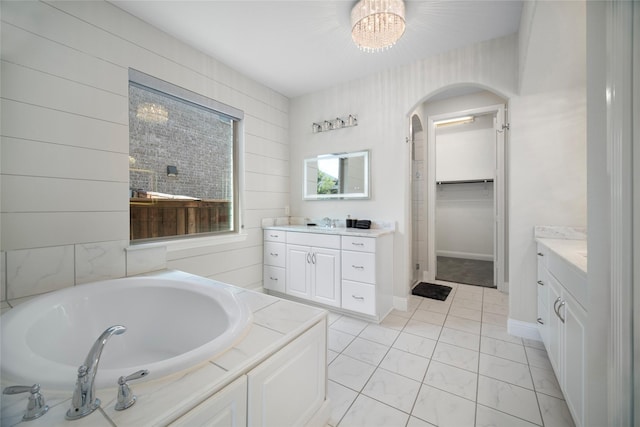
<point>448,363</point>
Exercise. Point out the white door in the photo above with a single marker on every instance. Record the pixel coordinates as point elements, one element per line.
<point>575,323</point>
<point>298,270</point>
<point>325,286</point>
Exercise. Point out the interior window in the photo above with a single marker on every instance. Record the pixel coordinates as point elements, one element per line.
<point>183,162</point>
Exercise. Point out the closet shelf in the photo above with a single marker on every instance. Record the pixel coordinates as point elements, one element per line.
<point>470,181</point>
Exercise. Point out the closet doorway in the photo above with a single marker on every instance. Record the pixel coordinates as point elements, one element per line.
<point>461,225</point>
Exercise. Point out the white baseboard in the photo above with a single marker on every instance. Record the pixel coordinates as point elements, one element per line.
<point>465,255</point>
<point>523,329</point>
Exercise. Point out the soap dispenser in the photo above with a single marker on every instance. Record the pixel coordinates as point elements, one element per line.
<point>349,222</point>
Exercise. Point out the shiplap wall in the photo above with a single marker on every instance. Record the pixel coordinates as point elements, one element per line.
<point>64,152</point>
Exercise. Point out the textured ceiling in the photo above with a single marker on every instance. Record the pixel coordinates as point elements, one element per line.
<point>297,47</point>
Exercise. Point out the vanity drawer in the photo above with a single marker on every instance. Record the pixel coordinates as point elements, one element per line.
<point>359,266</point>
<point>359,297</point>
<point>361,244</point>
<point>274,278</point>
<point>275,254</point>
<point>275,236</point>
<point>331,241</point>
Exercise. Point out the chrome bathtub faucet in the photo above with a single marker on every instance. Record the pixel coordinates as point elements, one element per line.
<point>84,401</point>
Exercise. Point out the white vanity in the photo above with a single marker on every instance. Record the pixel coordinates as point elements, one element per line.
<point>344,269</point>
<point>562,318</point>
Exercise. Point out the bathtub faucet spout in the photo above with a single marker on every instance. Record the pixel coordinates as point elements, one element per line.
<point>84,401</point>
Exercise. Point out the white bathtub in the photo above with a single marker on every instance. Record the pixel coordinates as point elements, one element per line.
<point>172,325</point>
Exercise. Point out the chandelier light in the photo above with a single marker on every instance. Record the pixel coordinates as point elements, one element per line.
<point>377,24</point>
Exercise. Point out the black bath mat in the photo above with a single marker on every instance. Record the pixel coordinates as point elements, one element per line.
<point>431,290</point>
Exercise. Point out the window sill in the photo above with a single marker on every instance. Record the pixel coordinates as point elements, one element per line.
<point>191,243</point>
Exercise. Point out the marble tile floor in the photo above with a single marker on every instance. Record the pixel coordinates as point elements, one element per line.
<point>442,363</point>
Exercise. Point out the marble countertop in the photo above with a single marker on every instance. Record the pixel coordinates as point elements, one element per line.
<point>276,322</point>
<point>572,250</point>
<point>342,231</point>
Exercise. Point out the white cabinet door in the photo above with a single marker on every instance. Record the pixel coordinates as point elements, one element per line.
<point>325,286</point>
<point>273,278</point>
<point>289,387</point>
<point>556,331</point>
<point>359,266</point>
<point>274,254</point>
<point>575,323</point>
<point>227,408</point>
<point>298,271</point>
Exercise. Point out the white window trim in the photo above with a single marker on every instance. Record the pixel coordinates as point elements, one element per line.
<point>178,245</point>
<point>196,241</point>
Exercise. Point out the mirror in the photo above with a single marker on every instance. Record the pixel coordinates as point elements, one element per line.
<point>337,176</point>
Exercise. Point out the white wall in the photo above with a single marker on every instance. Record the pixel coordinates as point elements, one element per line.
<point>65,140</point>
<point>465,221</point>
<point>383,103</point>
<point>547,146</point>
<point>467,151</point>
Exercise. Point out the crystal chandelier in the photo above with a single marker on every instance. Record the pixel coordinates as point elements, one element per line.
<point>377,24</point>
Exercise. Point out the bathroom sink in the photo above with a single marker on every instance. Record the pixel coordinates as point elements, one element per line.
<point>172,324</point>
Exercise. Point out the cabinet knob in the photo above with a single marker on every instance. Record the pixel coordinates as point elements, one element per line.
<point>357,244</point>
<point>540,320</point>
<point>272,254</point>
<point>358,297</point>
<point>540,254</point>
<point>275,279</point>
<point>540,282</point>
<point>358,267</point>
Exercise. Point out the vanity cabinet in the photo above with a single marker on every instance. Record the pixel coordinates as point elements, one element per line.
<point>562,322</point>
<point>313,269</point>
<point>348,270</point>
<point>226,408</point>
<point>274,260</point>
<point>359,274</point>
<point>288,388</point>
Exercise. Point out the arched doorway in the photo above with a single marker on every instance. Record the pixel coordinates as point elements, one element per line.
<point>458,182</point>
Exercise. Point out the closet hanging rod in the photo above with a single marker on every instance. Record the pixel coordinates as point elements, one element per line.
<point>471,181</point>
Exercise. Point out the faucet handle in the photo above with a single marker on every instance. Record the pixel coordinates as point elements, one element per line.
<point>36,406</point>
<point>126,398</point>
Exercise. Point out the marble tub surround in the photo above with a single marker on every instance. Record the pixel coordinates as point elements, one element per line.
<point>569,243</point>
<point>29,272</point>
<point>276,323</point>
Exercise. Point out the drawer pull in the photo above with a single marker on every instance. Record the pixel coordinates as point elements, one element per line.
<point>540,254</point>
<point>540,320</point>
<point>357,244</point>
<point>540,282</point>
<point>274,235</point>
<point>275,279</point>
<point>272,254</point>
<point>558,311</point>
<point>358,297</point>
<point>358,267</point>
<point>555,308</point>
